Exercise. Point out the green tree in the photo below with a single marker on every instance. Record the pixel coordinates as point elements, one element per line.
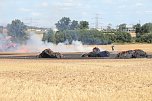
<point>17,30</point>
<point>63,24</point>
<point>138,30</point>
<point>142,32</point>
<point>59,37</point>
<point>49,36</point>
<point>146,28</point>
<point>66,24</point>
<point>74,25</point>
<point>84,25</point>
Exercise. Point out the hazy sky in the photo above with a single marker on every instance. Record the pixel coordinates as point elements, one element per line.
<point>47,12</point>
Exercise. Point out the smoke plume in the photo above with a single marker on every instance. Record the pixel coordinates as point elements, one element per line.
<point>34,44</point>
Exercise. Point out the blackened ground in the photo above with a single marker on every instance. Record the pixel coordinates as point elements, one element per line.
<point>72,55</point>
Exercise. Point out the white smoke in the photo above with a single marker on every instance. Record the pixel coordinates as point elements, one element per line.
<point>34,44</point>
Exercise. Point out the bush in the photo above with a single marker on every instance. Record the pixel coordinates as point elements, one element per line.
<point>123,37</point>
<point>146,38</point>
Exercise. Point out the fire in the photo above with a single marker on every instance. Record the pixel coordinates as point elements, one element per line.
<point>23,49</point>
<point>6,43</point>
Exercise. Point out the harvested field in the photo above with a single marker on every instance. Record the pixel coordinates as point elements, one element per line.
<point>125,47</point>
<point>24,78</point>
<point>76,80</point>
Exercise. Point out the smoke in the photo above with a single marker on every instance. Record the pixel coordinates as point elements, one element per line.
<point>76,46</point>
<point>5,43</point>
<point>34,44</point>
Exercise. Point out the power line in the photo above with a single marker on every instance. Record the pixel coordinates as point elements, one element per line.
<point>97,21</point>
<point>31,21</point>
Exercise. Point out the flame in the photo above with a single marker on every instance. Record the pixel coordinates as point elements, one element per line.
<point>23,49</point>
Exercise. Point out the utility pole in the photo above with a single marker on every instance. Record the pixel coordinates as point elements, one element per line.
<point>97,21</point>
<point>31,21</point>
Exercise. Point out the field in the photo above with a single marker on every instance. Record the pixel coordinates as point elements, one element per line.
<point>77,79</point>
<point>145,47</point>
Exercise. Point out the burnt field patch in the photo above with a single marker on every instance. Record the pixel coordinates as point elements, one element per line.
<point>70,55</point>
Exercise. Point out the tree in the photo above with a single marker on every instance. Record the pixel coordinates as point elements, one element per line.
<point>84,25</point>
<point>66,24</point>
<point>49,36</point>
<point>142,30</point>
<point>146,28</point>
<point>17,30</point>
<point>63,24</point>
<point>138,30</point>
<point>122,27</point>
<point>74,25</point>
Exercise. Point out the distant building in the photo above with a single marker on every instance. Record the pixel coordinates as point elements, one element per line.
<point>131,30</point>
<point>37,30</point>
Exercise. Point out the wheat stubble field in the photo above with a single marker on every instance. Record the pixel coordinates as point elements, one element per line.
<point>76,80</point>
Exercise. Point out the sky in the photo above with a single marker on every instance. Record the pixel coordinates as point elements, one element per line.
<point>45,13</point>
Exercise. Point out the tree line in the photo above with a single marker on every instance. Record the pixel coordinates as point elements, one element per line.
<point>69,30</point>
<point>89,37</point>
<point>73,30</point>
<point>143,33</point>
